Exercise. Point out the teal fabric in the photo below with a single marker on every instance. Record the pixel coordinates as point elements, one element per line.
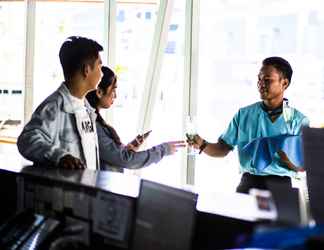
<point>263,150</point>
<point>251,123</point>
<point>286,238</point>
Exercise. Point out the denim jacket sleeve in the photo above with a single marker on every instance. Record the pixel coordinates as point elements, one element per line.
<point>119,156</point>
<point>38,140</point>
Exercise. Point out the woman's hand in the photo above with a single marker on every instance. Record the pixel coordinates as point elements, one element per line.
<point>131,147</point>
<point>175,145</point>
<point>135,144</point>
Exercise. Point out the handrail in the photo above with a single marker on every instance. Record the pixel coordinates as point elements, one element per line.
<point>8,140</point>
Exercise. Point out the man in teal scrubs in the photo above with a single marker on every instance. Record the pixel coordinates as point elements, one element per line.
<point>258,129</point>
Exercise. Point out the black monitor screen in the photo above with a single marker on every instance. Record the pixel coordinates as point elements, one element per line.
<point>313,142</point>
<point>165,217</point>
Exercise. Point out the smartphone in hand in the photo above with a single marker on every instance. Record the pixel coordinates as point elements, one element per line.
<point>145,135</point>
<point>136,142</point>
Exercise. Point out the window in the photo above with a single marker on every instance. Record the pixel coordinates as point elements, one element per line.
<point>168,113</point>
<point>55,21</point>
<point>134,36</point>
<point>235,36</point>
<point>12,43</point>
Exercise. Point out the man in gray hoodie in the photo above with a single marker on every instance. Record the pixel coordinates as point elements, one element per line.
<point>62,131</point>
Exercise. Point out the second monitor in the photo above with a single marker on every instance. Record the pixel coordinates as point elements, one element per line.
<point>165,217</point>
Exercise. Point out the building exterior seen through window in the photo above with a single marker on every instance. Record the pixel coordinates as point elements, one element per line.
<point>12,52</point>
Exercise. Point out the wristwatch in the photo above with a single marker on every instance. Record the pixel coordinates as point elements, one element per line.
<point>203,146</point>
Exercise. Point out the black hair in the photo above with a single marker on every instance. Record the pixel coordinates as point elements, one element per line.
<point>77,52</point>
<point>107,80</point>
<point>279,64</point>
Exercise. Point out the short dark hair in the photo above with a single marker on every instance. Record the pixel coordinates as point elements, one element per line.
<point>76,52</point>
<point>279,64</point>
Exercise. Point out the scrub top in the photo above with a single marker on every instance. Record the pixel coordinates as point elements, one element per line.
<point>251,123</point>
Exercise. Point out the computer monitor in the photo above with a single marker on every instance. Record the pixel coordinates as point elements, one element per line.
<point>286,200</point>
<point>313,144</point>
<point>165,217</point>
